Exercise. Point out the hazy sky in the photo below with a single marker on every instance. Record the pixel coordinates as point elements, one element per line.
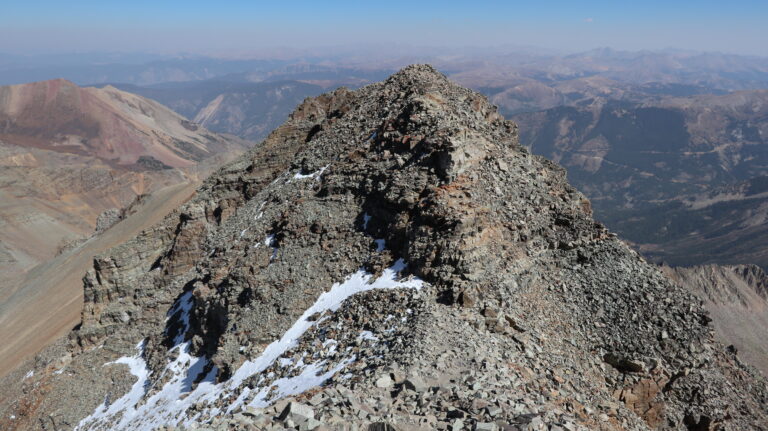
<point>230,27</point>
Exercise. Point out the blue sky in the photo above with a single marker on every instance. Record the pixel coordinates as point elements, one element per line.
<point>169,26</point>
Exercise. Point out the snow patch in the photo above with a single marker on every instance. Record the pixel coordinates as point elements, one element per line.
<point>171,404</point>
<point>261,213</point>
<point>316,175</point>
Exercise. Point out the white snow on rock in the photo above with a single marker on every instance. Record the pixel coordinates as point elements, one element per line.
<point>316,175</point>
<point>182,307</point>
<point>260,210</point>
<point>145,407</point>
<point>368,335</point>
<point>270,242</point>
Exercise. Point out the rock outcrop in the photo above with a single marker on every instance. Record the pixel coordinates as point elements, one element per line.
<point>389,258</point>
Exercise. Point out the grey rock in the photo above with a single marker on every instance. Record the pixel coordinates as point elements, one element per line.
<point>296,412</point>
<point>384,382</point>
<point>415,384</point>
<point>107,219</point>
<point>494,411</point>
<point>309,425</point>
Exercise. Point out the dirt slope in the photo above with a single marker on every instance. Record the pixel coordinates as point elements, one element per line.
<point>56,286</point>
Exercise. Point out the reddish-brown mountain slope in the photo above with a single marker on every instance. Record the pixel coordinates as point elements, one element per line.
<point>113,125</point>
<point>67,154</point>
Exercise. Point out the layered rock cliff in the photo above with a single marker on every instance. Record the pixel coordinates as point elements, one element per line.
<point>388,258</point>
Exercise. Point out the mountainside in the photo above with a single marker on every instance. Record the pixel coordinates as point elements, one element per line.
<point>545,82</point>
<point>681,177</point>
<point>534,93</point>
<point>118,127</point>
<point>46,302</point>
<point>389,257</point>
<point>68,154</point>
<point>737,298</point>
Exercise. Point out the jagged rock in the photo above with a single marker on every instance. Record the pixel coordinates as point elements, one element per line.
<point>309,424</point>
<point>623,364</point>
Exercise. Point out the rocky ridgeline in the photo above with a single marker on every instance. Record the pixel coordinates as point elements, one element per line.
<point>389,258</point>
<point>724,283</point>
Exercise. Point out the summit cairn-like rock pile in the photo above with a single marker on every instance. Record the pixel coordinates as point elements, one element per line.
<point>389,258</point>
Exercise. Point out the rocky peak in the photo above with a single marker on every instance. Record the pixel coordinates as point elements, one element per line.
<point>393,257</point>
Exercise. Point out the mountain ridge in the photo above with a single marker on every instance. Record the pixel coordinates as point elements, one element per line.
<point>421,187</point>
<point>116,126</point>
<point>679,177</point>
<point>67,154</point>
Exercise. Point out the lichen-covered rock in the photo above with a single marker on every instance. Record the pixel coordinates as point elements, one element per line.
<point>524,312</point>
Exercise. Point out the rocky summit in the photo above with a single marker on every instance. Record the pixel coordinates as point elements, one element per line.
<point>390,258</point>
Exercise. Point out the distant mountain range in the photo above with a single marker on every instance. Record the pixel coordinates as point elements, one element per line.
<point>247,109</point>
<point>682,177</point>
<point>499,69</point>
<point>666,143</point>
<point>139,70</point>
